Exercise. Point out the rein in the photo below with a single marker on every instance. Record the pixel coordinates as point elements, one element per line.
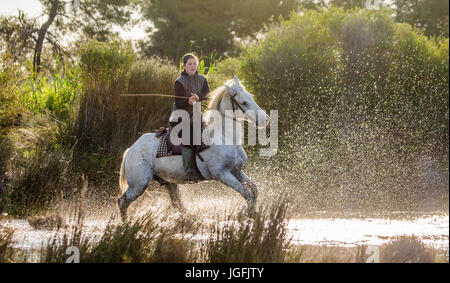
<point>234,103</point>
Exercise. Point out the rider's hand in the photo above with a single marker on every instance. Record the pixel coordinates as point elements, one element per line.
<point>194,98</point>
<point>191,100</point>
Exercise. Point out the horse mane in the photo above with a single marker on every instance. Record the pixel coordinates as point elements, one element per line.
<point>216,97</point>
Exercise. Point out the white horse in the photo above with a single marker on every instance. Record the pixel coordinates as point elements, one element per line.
<point>221,162</point>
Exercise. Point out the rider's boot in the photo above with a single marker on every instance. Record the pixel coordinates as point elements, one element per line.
<point>188,165</point>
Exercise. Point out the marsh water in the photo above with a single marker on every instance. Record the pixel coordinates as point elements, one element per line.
<point>319,228</point>
<point>431,228</point>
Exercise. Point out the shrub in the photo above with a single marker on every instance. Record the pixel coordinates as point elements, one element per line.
<point>56,95</point>
<point>259,239</point>
<point>37,169</point>
<point>407,249</point>
<point>6,251</point>
<point>124,243</point>
<point>104,66</point>
<point>9,108</point>
<point>223,71</point>
<point>37,184</point>
<point>137,241</point>
<point>357,64</point>
<point>294,63</point>
<point>362,101</point>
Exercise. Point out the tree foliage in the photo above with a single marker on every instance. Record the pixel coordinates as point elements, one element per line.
<point>430,15</point>
<point>91,19</point>
<point>206,26</point>
<point>361,62</point>
<point>18,35</point>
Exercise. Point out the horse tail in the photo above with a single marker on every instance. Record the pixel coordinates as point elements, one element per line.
<point>123,183</point>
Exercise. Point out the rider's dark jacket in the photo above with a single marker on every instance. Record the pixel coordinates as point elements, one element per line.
<point>184,85</point>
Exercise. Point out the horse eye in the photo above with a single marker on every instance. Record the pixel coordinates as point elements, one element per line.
<point>244,103</point>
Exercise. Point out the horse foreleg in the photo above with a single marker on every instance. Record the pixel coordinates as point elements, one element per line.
<point>243,178</point>
<point>230,180</point>
<point>175,196</point>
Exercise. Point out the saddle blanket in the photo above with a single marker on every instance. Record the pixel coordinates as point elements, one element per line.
<point>166,148</point>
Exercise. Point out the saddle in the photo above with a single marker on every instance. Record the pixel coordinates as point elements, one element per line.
<point>167,148</point>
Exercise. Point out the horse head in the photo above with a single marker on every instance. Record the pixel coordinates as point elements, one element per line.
<point>244,105</point>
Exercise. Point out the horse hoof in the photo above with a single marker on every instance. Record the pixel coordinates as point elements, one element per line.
<point>122,210</point>
<point>251,210</point>
<point>254,191</point>
<point>123,214</point>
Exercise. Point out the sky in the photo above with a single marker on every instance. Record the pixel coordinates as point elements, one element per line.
<point>10,7</point>
<point>33,8</point>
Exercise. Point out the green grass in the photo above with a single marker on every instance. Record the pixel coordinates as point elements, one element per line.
<point>56,95</point>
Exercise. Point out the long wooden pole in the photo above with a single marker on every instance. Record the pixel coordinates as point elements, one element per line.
<point>153,94</point>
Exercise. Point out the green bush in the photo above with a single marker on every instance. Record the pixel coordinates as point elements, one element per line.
<point>419,88</point>
<point>407,249</point>
<point>363,104</point>
<point>10,76</point>
<point>295,63</point>
<point>223,71</point>
<point>105,65</point>
<point>328,61</point>
<point>10,115</point>
<point>57,95</point>
<point>37,185</point>
<point>138,241</point>
<point>263,238</point>
<point>35,165</point>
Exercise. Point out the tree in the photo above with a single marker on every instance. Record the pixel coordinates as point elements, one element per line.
<point>205,26</point>
<point>94,18</point>
<point>89,18</point>
<point>55,5</point>
<point>317,4</point>
<point>17,34</point>
<point>348,4</point>
<point>249,16</point>
<point>430,15</point>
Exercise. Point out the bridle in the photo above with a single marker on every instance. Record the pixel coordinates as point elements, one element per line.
<point>234,104</point>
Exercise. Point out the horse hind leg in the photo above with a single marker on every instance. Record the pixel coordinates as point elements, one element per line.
<point>137,185</point>
<point>127,198</point>
<point>175,196</point>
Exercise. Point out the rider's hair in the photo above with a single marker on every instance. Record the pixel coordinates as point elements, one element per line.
<point>188,56</point>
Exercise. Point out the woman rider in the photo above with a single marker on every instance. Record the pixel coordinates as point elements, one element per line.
<point>195,86</point>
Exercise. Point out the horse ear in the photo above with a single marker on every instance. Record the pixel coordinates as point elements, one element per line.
<point>236,80</point>
<point>229,88</point>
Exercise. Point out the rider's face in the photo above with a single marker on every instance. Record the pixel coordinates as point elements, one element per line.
<point>191,66</point>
